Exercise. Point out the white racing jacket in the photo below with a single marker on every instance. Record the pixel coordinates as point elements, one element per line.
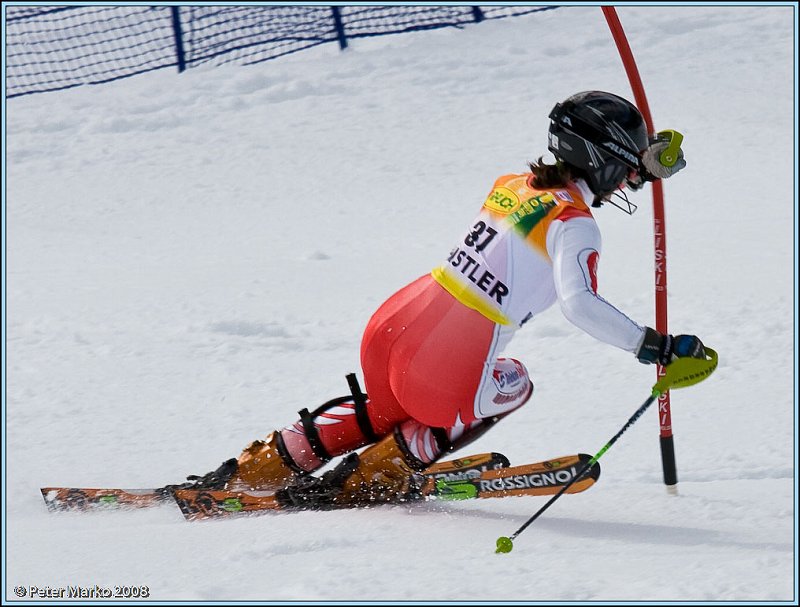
<point>529,248</point>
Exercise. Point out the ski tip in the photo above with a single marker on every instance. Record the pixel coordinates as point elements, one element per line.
<point>594,472</point>
<point>501,460</point>
<point>49,496</point>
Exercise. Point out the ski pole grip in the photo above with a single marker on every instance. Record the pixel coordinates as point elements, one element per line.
<point>686,372</point>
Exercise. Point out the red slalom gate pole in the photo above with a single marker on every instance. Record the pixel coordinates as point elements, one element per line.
<point>660,244</point>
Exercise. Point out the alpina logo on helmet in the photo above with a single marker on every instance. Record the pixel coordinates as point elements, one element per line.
<point>620,151</point>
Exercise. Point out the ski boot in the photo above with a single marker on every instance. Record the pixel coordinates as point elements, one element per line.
<point>260,467</point>
<point>263,466</point>
<point>385,472</point>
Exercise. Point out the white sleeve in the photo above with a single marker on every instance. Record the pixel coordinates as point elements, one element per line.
<point>574,246</point>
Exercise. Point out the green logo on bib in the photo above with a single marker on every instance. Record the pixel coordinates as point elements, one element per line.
<point>532,212</point>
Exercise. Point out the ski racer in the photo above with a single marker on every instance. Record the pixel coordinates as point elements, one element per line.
<point>430,354</point>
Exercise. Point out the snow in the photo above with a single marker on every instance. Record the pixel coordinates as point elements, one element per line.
<point>191,259</point>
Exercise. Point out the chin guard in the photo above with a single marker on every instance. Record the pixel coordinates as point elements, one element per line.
<point>625,204</point>
<point>629,207</point>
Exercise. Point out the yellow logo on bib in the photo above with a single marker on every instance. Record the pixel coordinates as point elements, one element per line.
<point>503,201</point>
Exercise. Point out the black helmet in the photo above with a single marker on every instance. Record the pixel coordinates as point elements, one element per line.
<point>600,134</point>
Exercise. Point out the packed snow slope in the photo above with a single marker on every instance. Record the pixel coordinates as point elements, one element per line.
<point>192,258</point>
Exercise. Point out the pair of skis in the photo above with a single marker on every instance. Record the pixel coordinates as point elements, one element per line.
<point>483,475</point>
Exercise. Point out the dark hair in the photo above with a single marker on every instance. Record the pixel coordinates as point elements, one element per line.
<point>551,175</point>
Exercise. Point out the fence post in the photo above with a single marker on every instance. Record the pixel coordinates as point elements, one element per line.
<point>176,28</point>
<point>477,14</point>
<point>337,23</point>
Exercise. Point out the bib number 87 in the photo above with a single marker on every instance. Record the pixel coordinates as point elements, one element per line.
<point>480,236</point>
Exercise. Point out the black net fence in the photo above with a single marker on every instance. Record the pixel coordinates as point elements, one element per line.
<point>50,48</point>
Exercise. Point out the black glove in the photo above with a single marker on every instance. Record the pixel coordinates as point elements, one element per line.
<point>663,349</point>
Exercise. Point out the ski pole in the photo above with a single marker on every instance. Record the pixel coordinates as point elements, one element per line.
<point>682,373</point>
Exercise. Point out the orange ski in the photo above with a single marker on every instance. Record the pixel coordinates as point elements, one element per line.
<point>480,476</point>
<point>74,498</point>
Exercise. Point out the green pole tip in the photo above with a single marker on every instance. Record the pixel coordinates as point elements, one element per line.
<point>504,545</point>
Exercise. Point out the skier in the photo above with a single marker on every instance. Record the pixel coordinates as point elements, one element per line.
<point>429,354</point>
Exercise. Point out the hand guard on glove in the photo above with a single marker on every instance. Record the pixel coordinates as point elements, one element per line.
<point>664,156</point>
<point>662,159</point>
<point>663,349</point>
